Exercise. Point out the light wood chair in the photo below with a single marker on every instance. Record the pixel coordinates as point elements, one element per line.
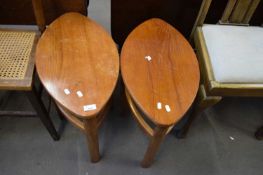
<point>78,64</point>
<point>230,54</point>
<point>17,50</point>
<point>161,76</point>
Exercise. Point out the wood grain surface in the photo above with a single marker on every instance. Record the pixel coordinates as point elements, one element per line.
<point>170,77</point>
<point>76,53</point>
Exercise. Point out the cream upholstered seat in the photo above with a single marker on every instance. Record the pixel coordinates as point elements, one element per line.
<point>235,52</point>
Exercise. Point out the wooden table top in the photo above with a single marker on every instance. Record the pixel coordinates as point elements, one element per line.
<point>158,65</point>
<point>76,54</point>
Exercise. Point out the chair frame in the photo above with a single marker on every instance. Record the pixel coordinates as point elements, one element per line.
<point>259,133</point>
<point>27,85</point>
<point>237,12</point>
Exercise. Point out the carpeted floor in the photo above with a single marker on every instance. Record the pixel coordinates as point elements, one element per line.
<point>220,142</point>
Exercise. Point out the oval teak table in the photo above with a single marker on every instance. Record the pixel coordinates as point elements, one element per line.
<point>161,75</point>
<point>78,64</point>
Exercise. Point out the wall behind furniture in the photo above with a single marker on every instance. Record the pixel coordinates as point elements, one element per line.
<point>21,12</point>
<point>127,14</point>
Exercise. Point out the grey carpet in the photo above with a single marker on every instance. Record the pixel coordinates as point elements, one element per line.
<point>220,142</point>
<point>100,11</point>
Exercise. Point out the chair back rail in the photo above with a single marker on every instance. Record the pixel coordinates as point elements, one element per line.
<point>39,14</point>
<point>236,12</point>
<point>239,11</point>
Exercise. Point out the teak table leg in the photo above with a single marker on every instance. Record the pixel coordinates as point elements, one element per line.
<point>155,142</point>
<point>91,131</point>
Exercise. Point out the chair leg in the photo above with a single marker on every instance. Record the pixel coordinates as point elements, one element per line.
<point>259,134</point>
<point>38,105</point>
<point>60,114</point>
<point>155,142</point>
<point>91,131</point>
<point>202,102</point>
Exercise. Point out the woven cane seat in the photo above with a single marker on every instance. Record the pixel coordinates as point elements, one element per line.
<point>16,60</point>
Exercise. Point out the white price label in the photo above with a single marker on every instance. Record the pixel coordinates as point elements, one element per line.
<point>89,107</point>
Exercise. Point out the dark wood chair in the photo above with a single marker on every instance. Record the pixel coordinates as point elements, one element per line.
<point>230,56</point>
<point>259,133</point>
<point>17,58</point>
<point>78,64</point>
<point>161,76</point>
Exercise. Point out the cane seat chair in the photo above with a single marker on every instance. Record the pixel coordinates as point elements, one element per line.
<point>17,49</point>
<point>78,63</point>
<point>230,54</point>
<point>161,76</point>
